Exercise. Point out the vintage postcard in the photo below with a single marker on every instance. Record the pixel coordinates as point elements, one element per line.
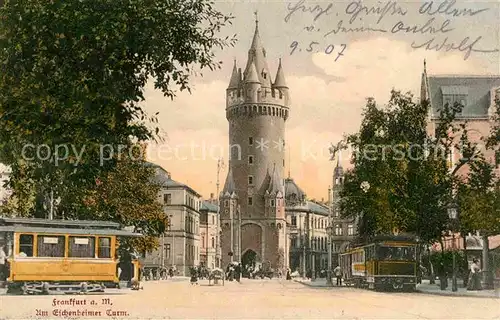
<point>233,159</point>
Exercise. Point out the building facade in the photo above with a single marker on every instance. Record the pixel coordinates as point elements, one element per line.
<point>477,96</point>
<point>344,229</point>
<point>209,250</point>
<point>252,201</point>
<point>307,224</point>
<point>180,245</point>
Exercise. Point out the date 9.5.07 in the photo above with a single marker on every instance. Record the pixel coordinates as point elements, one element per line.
<point>314,46</point>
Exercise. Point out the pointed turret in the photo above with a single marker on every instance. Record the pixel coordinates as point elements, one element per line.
<point>234,83</point>
<point>280,78</point>
<point>257,56</point>
<point>229,186</point>
<point>423,84</point>
<point>275,184</point>
<point>251,76</point>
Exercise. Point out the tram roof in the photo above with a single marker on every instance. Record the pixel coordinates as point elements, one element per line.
<point>63,223</point>
<point>61,231</point>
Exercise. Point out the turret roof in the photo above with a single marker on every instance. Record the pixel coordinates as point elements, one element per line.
<point>275,184</point>
<point>229,185</point>
<point>280,78</point>
<point>234,83</point>
<point>257,56</point>
<point>252,75</point>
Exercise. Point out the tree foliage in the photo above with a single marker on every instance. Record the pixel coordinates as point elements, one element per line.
<point>73,73</point>
<point>407,169</point>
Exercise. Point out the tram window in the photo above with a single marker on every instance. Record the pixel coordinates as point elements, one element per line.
<point>50,246</point>
<point>81,247</point>
<point>104,249</point>
<point>26,245</point>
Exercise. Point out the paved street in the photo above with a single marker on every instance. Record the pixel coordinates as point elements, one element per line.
<point>252,299</point>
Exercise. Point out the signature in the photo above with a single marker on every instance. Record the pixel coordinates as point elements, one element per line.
<point>426,28</point>
<point>340,28</point>
<point>464,46</point>
<point>447,8</point>
<point>317,10</point>
<point>355,8</point>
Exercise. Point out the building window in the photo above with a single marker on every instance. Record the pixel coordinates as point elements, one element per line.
<point>294,221</point>
<point>203,241</point>
<point>167,198</point>
<point>51,246</point>
<point>213,220</point>
<point>272,203</point>
<point>226,203</point>
<point>250,159</point>
<point>350,230</point>
<point>104,248</point>
<point>250,201</point>
<point>250,180</point>
<point>26,245</point>
<point>213,242</point>
<point>338,230</point>
<point>81,247</point>
<point>250,141</point>
<point>167,251</point>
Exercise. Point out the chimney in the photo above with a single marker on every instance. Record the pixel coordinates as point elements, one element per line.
<point>322,200</point>
<point>169,175</point>
<point>211,196</point>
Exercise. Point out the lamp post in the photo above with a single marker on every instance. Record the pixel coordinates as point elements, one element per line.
<point>173,243</point>
<point>453,216</point>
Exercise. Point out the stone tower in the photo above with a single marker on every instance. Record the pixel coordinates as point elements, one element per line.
<point>252,200</point>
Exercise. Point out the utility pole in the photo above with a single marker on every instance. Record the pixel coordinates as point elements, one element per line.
<point>220,165</point>
<point>329,238</point>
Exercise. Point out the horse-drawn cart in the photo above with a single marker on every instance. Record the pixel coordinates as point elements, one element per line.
<point>215,276</point>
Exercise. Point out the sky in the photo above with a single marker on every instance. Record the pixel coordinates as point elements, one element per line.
<point>328,91</point>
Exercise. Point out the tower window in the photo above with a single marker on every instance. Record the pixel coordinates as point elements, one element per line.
<point>250,180</point>
<point>250,159</point>
<point>250,201</point>
<point>272,203</point>
<point>250,141</point>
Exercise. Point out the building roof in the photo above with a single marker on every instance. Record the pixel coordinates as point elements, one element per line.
<point>477,89</point>
<point>208,206</point>
<point>234,83</point>
<point>280,78</point>
<point>293,193</point>
<point>309,206</point>
<point>257,57</point>
<point>275,182</point>
<point>229,186</point>
<point>164,179</point>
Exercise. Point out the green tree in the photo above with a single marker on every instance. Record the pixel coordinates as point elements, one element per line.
<point>406,168</point>
<point>74,74</point>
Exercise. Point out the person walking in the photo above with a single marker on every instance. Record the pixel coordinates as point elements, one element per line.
<point>3,264</point>
<point>475,276</point>
<point>338,274</point>
<point>194,276</point>
<point>288,275</point>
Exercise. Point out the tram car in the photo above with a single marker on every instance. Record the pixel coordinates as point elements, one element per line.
<point>64,256</point>
<point>387,263</point>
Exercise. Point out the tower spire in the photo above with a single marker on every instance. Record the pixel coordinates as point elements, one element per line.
<point>425,67</point>
<point>289,162</point>
<point>256,19</point>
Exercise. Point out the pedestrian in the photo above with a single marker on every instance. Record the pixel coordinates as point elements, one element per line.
<point>3,264</point>
<point>338,274</point>
<point>237,271</point>
<point>475,276</point>
<point>171,272</point>
<point>288,275</point>
<point>194,276</point>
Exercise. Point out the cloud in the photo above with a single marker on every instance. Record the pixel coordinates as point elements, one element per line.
<point>323,109</point>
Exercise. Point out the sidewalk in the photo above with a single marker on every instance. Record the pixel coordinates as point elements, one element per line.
<point>424,287</point>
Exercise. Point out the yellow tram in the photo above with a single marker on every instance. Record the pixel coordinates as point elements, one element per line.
<point>388,262</point>
<point>47,256</point>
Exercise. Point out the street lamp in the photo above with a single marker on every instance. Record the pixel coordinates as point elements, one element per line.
<point>173,243</point>
<point>453,216</point>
